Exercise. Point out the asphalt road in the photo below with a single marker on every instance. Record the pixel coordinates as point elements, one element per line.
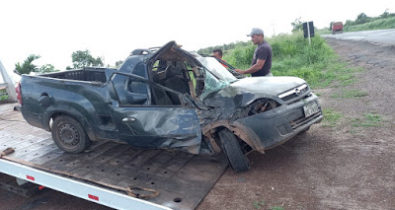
<point>383,37</point>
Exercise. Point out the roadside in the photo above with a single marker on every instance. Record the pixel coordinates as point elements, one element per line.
<point>363,23</point>
<point>346,162</point>
<point>379,37</point>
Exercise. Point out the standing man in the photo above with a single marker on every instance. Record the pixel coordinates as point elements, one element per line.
<point>262,60</point>
<point>217,53</point>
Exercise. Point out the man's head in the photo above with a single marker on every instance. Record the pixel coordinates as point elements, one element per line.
<point>217,53</point>
<point>256,36</point>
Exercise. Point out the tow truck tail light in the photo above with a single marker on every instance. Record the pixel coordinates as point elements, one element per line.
<point>18,93</point>
<point>93,197</point>
<point>31,178</point>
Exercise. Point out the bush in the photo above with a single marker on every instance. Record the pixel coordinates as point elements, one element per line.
<point>363,22</point>
<point>292,56</point>
<point>240,56</point>
<point>383,23</point>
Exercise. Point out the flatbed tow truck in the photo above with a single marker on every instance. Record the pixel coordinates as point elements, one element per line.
<point>111,174</point>
<point>117,105</point>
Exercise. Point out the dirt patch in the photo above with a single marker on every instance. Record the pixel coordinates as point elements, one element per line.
<point>347,166</point>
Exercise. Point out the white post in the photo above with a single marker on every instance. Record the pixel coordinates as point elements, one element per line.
<point>308,32</point>
<point>10,85</point>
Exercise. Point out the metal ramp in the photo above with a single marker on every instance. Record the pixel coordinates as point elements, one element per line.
<point>171,179</point>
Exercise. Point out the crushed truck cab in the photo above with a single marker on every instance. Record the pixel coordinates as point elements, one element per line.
<point>169,99</point>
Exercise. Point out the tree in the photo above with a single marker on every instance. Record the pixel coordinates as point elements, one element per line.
<point>362,18</point>
<point>387,14</point>
<point>330,26</point>
<point>47,68</point>
<point>84,59</point>
<point>27,66</point>
<point>118,63</point>
<point>349,23</point>
<point>297,25</point>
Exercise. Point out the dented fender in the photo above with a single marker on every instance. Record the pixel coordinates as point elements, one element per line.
<point>241,131</point>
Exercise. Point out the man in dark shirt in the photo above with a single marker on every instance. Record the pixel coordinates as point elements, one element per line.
<point>262,60</point>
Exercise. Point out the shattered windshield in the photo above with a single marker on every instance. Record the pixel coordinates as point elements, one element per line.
<point>217,69</point>
<point>217,76</point>
<point>212,84</point>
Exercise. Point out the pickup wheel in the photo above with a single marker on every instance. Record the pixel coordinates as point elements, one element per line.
<point>69,135</point>
<point>231,147</point>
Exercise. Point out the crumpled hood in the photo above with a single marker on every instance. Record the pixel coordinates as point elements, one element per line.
<point>252,88</point>
<point>267,85</point>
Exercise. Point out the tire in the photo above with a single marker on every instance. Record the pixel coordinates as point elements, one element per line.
<point>69,135</point>
<point>231,147</point>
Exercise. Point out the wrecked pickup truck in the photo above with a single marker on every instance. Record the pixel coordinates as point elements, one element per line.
<point>169,99</point>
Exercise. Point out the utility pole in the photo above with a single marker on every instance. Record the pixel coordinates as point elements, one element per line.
<point>8,84</point>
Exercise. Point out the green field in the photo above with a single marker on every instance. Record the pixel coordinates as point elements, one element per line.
<point>382,23</point>
<point>364,22</point>
<point>293,56</point>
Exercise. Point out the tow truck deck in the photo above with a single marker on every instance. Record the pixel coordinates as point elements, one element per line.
<point>112,174</point>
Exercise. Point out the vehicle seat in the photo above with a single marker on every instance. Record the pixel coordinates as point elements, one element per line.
<point>175,80</point>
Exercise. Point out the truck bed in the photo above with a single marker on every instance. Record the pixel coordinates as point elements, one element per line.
<point>88,74</point>
<point>181,179</point>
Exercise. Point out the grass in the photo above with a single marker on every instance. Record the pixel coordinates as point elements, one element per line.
<point>323,31</point>
<point>3,97</point>
<point>368,120</point>
<point>261,205</point>
<point>384,23</point>
<point>331,117</point>
<point>340,74</point>
<point>293,56</point>
<point>350,94</point>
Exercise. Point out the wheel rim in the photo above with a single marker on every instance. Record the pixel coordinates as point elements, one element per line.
<point>68,135</point>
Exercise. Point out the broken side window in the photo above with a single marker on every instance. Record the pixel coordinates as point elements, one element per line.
<point>212,84</point>
<point>131,92</point>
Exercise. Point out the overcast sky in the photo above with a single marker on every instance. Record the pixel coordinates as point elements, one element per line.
<point>112,29</point>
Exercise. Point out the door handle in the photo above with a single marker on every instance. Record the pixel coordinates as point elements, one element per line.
<point>128,119</point>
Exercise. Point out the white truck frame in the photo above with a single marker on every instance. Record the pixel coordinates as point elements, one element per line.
<point>8,84</point>
<point>76,188</point>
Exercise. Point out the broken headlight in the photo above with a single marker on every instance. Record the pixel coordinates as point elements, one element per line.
<point>262,105</point>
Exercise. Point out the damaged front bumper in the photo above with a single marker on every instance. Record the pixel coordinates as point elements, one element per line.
<point>278,125</point>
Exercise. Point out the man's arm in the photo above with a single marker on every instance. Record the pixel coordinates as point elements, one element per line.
<point>254,68</point>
